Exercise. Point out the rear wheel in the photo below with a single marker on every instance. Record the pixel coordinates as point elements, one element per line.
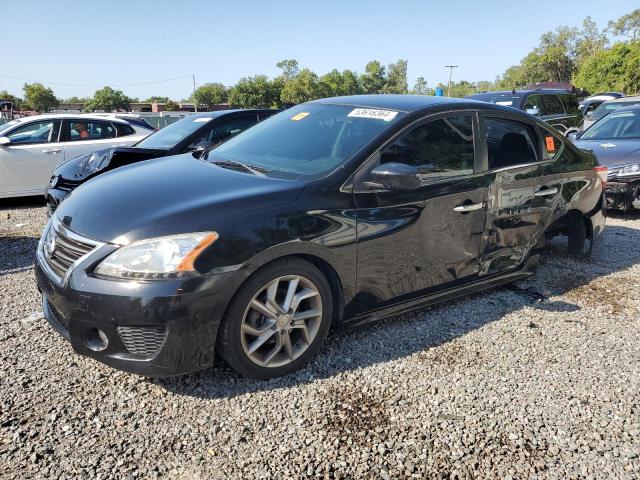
<point>577,233</point>
<point>277,320</point>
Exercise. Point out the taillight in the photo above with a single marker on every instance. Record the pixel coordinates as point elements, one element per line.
<point>602,172</point>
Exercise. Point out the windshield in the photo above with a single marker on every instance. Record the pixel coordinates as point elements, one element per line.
<point>619,126</point>
<point>506,99</point>
<point>169,136</point>
<point>306,140</point>
<point>608,107</point>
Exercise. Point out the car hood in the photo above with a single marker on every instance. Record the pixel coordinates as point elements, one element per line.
<point>171,195</point>
<point>612,152</point>
<point>110,158</point>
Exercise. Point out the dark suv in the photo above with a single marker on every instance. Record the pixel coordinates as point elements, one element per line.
<point>559,108</point>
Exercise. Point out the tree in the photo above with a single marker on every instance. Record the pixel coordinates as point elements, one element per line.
<point>75,99</point>
<point>171,106</point>
<point>590,41</point>
<point>17,101</point>
<point>210,94</point>
<point>350,83</point>
<point>157,99</point>
<point>302,88</point>
<point>107,99</point>
<point>39,98</point>
<point>289,67</point>
<point>420,87</point>
<point>254,92</point>
<point>374,78</point>
<point>396,81</point>
<point>627,26</point>
<point>334,83</point>
<point>615,69</point>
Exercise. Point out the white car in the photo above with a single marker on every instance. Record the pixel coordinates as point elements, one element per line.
<point>32,147</point>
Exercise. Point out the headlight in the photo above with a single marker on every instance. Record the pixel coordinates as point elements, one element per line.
<point>94,162</point>
<point>633,169</point>
<point>157,258</point>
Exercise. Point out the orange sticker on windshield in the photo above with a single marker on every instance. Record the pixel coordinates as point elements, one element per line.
<point>299,116</point>
<point>551,144</point>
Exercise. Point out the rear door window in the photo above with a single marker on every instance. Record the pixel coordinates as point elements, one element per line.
<point>533,105</point>
<point>437,149</point>
<point>570,104</point>
<point>510,143</point>
<point>122,129</point>
<point>81,130</point>
<point>551,105</point>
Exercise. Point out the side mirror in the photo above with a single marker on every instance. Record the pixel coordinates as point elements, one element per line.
<point>394,176</point>
<point>202,146</point>
<point>4,141</point>
<point>572,136</point>
<point>533,111</point>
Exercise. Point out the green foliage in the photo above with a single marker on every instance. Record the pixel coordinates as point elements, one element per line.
<point>75,99</point>
<point>374,78</point>
<point>627,26</point>
<point>210,94</point>
<point>303,87</point>
<point>39,98</point>
<point>107,99</point>
<point>289,67</point>
<point>255,92</point>
<point>157,99</point>
<point>420,87</point>
<point>396,80</point>
<point>171,106</point>
<point>17,101</point>
<point>616,69</point>
<point>335,84</point>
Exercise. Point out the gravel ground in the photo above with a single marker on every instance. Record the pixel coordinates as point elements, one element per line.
<point>540,380</point>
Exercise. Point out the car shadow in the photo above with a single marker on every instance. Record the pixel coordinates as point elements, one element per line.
<point>18,254</point>
<point>575,280</point>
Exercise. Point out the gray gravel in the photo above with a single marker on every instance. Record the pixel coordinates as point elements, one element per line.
<point>538,381</point>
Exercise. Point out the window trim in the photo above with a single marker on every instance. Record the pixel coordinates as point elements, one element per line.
<point>355,182</point>
<point>56,124</point>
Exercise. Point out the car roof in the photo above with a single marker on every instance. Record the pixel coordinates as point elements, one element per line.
<point>222,113</point>
<point>633,98</point>
<point>525,91</point>
<point>404,103</point>
<point>630,108</point>
<point>55,116</point>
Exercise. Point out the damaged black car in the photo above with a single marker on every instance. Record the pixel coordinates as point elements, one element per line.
<point>331,214</point>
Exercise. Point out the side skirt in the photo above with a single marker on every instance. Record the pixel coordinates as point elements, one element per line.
<point>526,270</point>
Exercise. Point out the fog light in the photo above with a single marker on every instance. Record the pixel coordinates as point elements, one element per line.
<point>96,340</point>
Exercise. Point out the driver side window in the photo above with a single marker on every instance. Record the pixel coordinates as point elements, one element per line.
<point>223,131</point>
<point>37,132</point>
<point>437,149</point>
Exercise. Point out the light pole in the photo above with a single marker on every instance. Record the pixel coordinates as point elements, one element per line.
<point>450,67</point>
<point>195,102</point>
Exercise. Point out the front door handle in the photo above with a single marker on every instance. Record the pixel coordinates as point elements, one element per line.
<point>52,150</point>
<point>546,192</point>
<point>472,207</point>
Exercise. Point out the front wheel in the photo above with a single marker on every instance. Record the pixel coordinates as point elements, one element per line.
<point>277,320</point>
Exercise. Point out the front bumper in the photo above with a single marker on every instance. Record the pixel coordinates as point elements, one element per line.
<point>155,329</point>
<point>53,197</point>
<point>622,195</point>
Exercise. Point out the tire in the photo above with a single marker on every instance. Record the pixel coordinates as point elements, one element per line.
<point>261,340</point>
<point>577,233</point>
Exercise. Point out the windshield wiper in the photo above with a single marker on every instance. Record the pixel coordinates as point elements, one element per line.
<point>256,170</point>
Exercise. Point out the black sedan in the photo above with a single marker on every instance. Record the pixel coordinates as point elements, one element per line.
<point>194,133</point>
<point>334,213</point>
<point>616,142</point>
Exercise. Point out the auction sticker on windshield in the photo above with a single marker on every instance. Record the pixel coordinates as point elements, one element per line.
<point>202,119</point>
<point>299,116</point>
<point>386,115</point>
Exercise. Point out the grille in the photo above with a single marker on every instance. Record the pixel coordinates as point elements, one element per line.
<point>61,250</point>
<point>66,184</point>
<point>143,342</point>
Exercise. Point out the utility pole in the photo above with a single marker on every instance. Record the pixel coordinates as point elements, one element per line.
<point>195,102</point>
<point>450,67</point>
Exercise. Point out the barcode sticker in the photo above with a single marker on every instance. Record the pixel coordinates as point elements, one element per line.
<point>386,115</point>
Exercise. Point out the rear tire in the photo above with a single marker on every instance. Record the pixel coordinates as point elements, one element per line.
<point>577,233</point>
<point>277,320</point>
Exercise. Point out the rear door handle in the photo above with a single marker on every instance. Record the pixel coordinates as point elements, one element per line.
<point>546,192</point>
<point>470,207</point>
<point>52,150</point>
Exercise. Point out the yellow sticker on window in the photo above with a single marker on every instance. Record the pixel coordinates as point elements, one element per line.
<point>300,116</point>
<point>551,144</point>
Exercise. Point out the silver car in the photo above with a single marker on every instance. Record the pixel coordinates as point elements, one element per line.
<point>32,147</point>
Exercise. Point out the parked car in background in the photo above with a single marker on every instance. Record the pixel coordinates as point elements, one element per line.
<point>607,107</point>
<point>133,118</point>
<point>589,104</point>
<point>32,147</point>
<point>193,133</point>
<point>559,108</point>
<point>335,212</point>
<point>615,139</point>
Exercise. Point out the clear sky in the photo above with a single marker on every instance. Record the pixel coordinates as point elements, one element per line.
<point>111,42</point>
